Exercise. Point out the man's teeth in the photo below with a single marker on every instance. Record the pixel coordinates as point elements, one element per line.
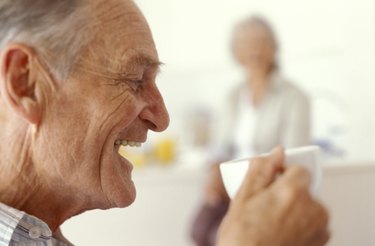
<point>128,143</point>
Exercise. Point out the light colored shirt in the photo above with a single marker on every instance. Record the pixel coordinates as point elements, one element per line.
<point>244,126</point>
<point>281,118</point>
<point>20,229</point>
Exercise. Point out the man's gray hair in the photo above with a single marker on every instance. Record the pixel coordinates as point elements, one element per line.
<point>56,29</point>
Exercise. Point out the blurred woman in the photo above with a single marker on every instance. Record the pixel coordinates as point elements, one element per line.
<point>264,111</point>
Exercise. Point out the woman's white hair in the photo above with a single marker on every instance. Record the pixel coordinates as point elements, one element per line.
<point>250,22</point>
<point>56,29</point>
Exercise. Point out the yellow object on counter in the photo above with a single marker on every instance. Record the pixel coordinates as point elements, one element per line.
<point>136,157</point>
<point>165,150</point>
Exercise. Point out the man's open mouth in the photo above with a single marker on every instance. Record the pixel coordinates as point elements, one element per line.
<point>125,143</point>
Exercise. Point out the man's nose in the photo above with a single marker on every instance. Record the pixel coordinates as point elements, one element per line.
<point>155,114</point>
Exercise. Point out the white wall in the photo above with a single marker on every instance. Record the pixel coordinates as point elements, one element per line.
<point>327,47</point>
<point>347,192</point>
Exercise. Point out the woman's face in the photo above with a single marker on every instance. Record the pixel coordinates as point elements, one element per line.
<point>255,49</point>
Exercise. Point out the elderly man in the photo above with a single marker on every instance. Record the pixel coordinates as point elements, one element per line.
<point>77,81</point>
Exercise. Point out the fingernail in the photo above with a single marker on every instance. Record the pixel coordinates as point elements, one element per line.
<point>277,152</point>
<point>278,148</point>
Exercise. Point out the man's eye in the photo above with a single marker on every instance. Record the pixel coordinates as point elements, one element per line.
<point>137,82</point>
<point>134,84</point>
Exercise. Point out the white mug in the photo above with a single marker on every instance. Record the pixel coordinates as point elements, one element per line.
<point>233,172</point>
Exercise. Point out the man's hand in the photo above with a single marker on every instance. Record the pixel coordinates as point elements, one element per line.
<point>269,212</point>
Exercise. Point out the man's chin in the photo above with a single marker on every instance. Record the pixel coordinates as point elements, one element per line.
<point>125,198</point>
<point>126,202</point>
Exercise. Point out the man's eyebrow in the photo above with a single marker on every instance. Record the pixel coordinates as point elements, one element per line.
<point>129,64</point>
<point>141,59</point>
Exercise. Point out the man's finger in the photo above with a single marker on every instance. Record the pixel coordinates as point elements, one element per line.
<point>294,175</point>
<point>320,218</point>
<point>321,239</point>
<point>261,173</point>
<point>293,184</point>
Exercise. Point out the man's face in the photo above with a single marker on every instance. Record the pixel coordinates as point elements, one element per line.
<point>111,98</point>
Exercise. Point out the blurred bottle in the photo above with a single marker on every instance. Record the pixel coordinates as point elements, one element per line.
<point>165,150</point>
<point>198,124</point>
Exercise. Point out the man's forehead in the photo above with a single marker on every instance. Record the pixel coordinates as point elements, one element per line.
<point>123,39</point>
<point>131,62</point>
<point>111,12</point>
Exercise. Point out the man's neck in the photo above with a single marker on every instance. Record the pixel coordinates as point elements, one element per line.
<point>52,207</point>
<point>25,189</point>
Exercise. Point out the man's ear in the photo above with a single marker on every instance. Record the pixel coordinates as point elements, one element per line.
<point>18,82</point>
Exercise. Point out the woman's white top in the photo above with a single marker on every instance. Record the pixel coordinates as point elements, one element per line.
<point>281,118</point>
<point>244,126</point>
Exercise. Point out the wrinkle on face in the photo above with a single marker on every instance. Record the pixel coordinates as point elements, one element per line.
<point>110,115</point>
<point>70,157</point>
<point>115,22</point>
<point>117,12</point>
<point>126,66</point>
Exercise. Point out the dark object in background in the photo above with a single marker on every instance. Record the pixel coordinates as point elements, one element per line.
<point>207,222</point>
